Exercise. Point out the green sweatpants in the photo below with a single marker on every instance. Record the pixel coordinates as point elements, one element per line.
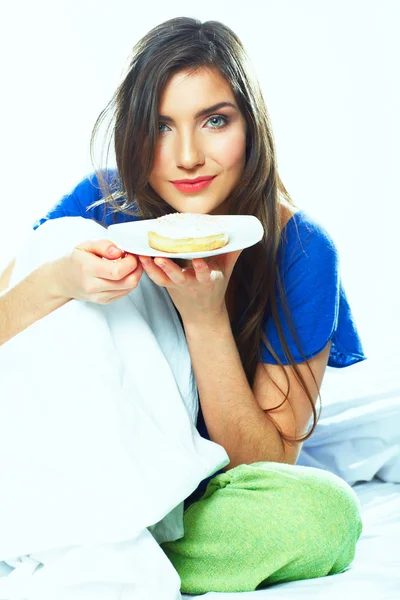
<point>266,523</point>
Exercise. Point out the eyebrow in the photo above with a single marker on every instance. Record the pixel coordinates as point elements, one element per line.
<point>203,112</point>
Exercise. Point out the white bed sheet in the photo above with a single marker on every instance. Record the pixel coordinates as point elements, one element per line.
<point>375,571</point>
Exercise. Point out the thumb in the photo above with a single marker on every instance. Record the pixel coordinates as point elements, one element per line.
<point>101,248</point>
<point>224,262</point>
<point>230,261</point>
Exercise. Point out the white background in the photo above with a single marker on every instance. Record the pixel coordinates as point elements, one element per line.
<point>329,72</point>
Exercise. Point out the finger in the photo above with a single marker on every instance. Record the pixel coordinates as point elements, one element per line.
<point>231,260</point>
<point>223,264</point>
<point>174,271</point>
<point>202,270</point>
<point>101,248</point>
<point>155,273</point>
<point>130,281</point>
<point>103,288</point>
<point>116,270</point>
<point>114,252</point>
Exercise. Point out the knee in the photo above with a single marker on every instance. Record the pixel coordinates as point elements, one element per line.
<point>315,520</point>
<point>335,523</point>
<point>266,523</point>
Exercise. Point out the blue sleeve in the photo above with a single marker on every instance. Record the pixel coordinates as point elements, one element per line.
<point>309,267</point>
<point>76,203</point>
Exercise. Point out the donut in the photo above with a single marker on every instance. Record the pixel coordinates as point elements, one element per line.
<point>187,232</point>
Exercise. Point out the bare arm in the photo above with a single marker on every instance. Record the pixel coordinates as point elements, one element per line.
<point>5,276</point>
<point>82,275</point>
<point>231,412</point>
<point>27,302</point>
<point>234,413</point>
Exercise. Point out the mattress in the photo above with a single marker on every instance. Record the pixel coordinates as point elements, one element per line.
<point>375,571</point>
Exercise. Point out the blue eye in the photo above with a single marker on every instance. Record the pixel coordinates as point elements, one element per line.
<point>218,121</point>
<point>215,122</point>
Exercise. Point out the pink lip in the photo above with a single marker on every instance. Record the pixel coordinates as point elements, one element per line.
<point>195,179</point>
<point>192,185</point>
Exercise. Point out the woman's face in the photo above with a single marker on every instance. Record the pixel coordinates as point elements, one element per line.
<point>202,134</point>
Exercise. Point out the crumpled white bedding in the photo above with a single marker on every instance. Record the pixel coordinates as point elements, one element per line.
<point>68,493</point>
<point>97,441</point>
<point>358,434</point>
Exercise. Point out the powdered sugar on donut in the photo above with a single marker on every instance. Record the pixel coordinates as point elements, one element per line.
<point>188,225</point>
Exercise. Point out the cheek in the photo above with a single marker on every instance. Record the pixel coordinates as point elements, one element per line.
<point>160,160</point>
<point>230,150</point>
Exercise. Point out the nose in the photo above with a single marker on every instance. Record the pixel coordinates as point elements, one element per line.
<point>189,153</point>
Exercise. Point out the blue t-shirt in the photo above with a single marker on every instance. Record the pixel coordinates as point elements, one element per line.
<point>309,268</point>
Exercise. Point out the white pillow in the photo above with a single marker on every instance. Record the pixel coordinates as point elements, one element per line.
<point>358,434</point>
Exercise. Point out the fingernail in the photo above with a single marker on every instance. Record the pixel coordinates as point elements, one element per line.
<point>114,251</point>
<point>160,263</point>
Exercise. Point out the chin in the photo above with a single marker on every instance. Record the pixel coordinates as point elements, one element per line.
<point>190,206</point>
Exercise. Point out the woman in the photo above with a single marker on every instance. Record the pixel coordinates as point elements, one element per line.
<point>261,324</point>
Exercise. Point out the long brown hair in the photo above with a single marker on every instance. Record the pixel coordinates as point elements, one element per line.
<point>187,44</point>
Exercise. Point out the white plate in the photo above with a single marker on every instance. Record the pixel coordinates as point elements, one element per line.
<point>243,231</point>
